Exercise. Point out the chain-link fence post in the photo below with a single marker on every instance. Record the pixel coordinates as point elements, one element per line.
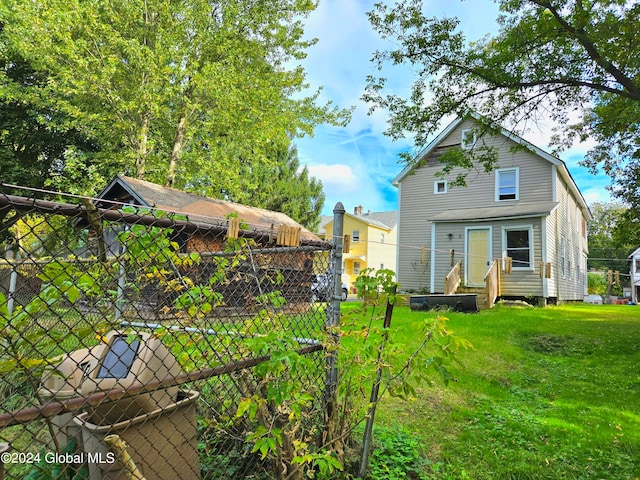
<point>333,314</point>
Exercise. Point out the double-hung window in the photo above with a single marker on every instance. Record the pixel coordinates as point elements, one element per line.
<point>518,244</point>
<point>507,184</point>
<point>355,236</point>
<point>356,268</point>
<point>563,256</point>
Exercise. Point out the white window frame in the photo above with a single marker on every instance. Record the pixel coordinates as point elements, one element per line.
<point>563,251</point>
<point>529,229</point>
<point>517,185</point>
<point>578,215</point>
<point>464,140</point>
<point>569,258</point>
<point>355,236</point>
<point>444,183</point>
<point>356,268</point>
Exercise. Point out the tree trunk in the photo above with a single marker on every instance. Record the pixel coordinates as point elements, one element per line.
<point>143,147</point>
<point>177,146</point>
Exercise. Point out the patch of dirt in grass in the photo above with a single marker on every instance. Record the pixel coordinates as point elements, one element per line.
<point>549,344</point>
<point>561,345</point>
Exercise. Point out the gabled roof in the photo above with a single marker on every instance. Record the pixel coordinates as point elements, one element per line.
<point>385,220</point>
<point>561,166</point>
<point>132,191</point>
<point>389,219</point>
<point>634,253</point>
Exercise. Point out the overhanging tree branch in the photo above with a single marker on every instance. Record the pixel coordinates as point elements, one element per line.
<point>581,36</point>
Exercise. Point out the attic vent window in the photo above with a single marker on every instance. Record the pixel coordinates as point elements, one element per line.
<point>468,139</point>
<point>439,187</point>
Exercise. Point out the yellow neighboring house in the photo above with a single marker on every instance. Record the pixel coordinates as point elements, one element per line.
<point>374,238</point>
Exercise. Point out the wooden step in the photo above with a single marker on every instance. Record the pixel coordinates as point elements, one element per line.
<point>480,291</point>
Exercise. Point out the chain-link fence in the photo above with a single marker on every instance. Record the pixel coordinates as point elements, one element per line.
<point>198,344</point>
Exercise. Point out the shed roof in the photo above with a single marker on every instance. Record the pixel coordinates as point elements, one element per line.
<point>132,191</point>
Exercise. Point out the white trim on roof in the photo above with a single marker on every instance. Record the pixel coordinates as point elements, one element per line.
<point>426,151</point>
<point>564,172</point>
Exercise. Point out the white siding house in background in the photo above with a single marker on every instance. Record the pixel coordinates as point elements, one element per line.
<point>527,209</point>
<point>634,271</point>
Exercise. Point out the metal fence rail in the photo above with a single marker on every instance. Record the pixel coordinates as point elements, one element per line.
<point>157,329</point>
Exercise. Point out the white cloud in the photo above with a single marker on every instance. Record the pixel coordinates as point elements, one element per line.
<point>356,163</point>
<point>592,195</point>
<point>339,178</point>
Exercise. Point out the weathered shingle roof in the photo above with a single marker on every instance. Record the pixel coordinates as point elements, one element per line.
<point>388,219</point>
<point>198,208</point>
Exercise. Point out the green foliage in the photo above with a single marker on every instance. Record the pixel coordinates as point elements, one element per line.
<point>396,454</point>
<point>545,53</point>
<point>597,283</point>
<point>39,237</point>
<point>371,355</point>
<point>47,470</point>
<point>610,239</point>
<point>34,135</point>
<point>365,348</point>
<point>174,92</point>
<point>546,394</point>
<point>279,399</point>
<point>282,186</point>
<point>26,342</point>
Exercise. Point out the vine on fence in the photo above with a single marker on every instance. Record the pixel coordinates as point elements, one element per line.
<point>277,402</point>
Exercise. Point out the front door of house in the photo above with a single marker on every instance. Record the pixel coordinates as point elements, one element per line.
<point>478,255</point>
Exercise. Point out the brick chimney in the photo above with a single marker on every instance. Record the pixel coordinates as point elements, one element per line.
<point>358,211</point>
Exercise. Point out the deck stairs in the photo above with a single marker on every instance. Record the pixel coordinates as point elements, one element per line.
<point>480,291</point>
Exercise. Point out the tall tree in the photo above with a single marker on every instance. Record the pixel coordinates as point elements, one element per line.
<point>551,58</point>
<point>34,135</point>
<point>608,250</point>
<point>280,185</point>
<point>173,89</point>
<point>287,188</point>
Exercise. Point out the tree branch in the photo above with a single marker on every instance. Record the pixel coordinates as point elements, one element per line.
<point>580,35</point>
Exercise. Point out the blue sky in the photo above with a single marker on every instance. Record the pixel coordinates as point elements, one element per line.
<point>356,163</point>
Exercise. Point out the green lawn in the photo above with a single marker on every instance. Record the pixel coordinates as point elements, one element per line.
<point>549,393</point>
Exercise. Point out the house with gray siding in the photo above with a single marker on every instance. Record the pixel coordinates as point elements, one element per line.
<point>527,214</point>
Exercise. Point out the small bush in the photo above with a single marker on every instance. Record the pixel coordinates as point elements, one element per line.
<point>597,283</point>
<point>396,455</point>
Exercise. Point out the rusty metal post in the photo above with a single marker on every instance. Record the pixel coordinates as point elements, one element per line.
<point>333,310</point>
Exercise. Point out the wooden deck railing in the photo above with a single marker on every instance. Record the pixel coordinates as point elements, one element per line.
<point>492,281</point>
<point>452,280</point>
